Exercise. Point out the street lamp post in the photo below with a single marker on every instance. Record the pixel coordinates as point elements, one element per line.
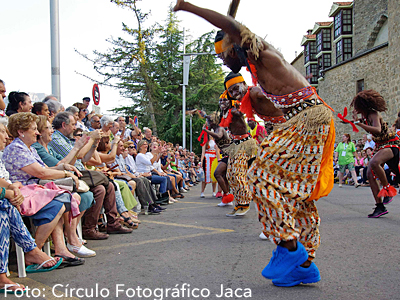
<point>55,49</point>
<point>191,118</point>
<point>186,66</point>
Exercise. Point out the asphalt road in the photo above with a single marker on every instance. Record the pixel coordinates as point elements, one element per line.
<point>195,248</point>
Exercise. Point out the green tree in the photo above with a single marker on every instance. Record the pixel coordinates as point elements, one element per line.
<point>127,67</point>
<point>147,68</point>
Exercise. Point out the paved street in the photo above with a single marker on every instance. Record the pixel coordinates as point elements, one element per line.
<point>194,246</point>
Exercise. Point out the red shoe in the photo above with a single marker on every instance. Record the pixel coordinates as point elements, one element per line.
<point>218,195</point>
<point>227,198</point>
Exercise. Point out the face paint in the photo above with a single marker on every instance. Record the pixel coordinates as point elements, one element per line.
<point>237,91</point>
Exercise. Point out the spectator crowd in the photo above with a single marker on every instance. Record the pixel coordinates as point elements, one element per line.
<point>61,167</point>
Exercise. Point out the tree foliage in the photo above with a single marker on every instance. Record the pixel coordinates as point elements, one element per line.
<point>147,68</point>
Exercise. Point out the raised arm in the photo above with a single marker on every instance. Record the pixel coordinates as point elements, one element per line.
<point>226,23</point>
<point>216,135</point>
<point>374,119</point>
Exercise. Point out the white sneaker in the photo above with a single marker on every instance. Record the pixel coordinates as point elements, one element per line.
<point>340,185</point>
<point>214,194</point>
<point>225,204</point>
<point>183,191</point>
<point>81,251</point>
<point>262,236</point>
<point>202,195</point>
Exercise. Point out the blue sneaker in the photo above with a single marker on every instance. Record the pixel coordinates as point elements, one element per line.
<point>284,261</point>
<point>299,275</point>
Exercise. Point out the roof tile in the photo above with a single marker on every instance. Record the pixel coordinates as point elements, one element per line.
<point>343,3</point>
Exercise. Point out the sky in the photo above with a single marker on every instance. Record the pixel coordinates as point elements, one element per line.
<point>25,59</point>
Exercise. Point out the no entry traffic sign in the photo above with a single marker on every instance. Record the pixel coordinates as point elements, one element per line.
<point>96,94</point>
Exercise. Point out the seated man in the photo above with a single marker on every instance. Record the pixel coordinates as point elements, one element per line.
<point>64,126</point>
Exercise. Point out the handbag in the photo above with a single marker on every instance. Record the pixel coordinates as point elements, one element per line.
<point>67,183</point>
<point>123,177</point>
<point>200,175</point>
<point>94,178</point>
<point>83,187</point>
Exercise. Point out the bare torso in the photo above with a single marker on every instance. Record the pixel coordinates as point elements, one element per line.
<point>238,125</point>
<point>262,105</point>
<point>275,75</point>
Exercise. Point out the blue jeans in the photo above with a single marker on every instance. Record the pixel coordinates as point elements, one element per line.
<point>161,180</point>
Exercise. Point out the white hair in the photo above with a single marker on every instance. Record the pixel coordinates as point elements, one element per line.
<point>4,121</point>
<point>106,120</point>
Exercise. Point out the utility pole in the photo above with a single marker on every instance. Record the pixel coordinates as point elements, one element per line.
<point>55,49</point>
<point>186,66</point>
<point>186,62</point>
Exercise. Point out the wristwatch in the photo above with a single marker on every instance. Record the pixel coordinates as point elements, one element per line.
<point>65,173</point>
<point>356,122</point>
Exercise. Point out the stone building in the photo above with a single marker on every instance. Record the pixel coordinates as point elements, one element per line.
<point>357,49</point>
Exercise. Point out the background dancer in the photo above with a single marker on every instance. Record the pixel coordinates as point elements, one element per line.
<point>287,177</point>
<point>240,151</point>
<point>258,132</point>
<point>222,139</point>
<point>367,105</point>
<point>208,154</point>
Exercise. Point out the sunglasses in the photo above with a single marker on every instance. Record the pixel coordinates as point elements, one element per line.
<point>131,147</point>
<point>78,134</point>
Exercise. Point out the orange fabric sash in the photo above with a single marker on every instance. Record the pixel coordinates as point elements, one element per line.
<point>325,178</point>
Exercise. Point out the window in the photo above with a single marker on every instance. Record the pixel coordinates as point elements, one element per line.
<point>360,85</point>
<point>347,21</point>
<point>327,60</point>
<point>338,24</point>
<point>347,48</point>
<point>327,39</point>
<point>343,22</point>
<point>310,51</point>
<point>306,54</point>
<point>324,40</point>
<point>319,41</point>
<point>312,73</point>
<point>339,52</point>
<point>324,62</point>
<point>344,50</point>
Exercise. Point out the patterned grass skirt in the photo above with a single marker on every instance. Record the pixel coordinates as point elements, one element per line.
<point>292,169</point>
<point>236,172</point>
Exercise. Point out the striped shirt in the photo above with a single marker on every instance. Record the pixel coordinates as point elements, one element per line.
<point>63,146</point>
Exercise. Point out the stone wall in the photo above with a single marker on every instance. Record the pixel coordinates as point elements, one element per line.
<point>394,55</point>
<point>366,14</point>
<point>340,85</point>
<point>298,63</point>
